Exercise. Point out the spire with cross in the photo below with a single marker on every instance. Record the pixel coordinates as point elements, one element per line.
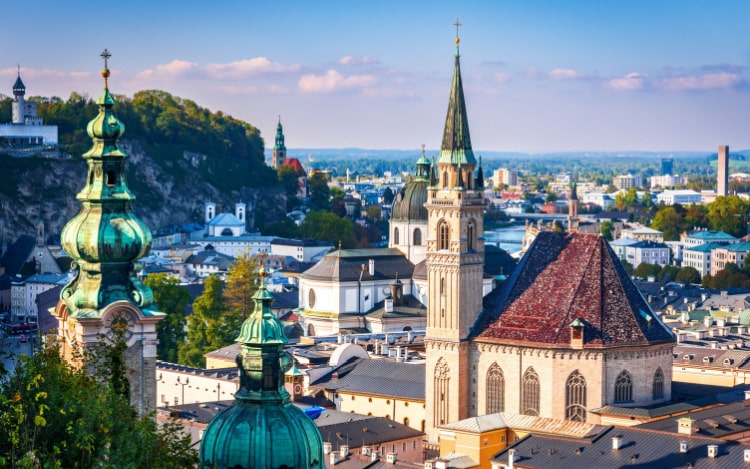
<point>105,73</point>
<point>457,24</point>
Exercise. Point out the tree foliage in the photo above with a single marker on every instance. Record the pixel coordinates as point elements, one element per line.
<point>327,226</point>
<point>688,274</point>
<point>55,415</point>
<point>669,222</point>
<point>320,194</point>
<point>241,285</point>
<point>172,300</point>
<point>645,270</point>
<point>607,229</point>
<point>204,325</point>
<point>728,214</point>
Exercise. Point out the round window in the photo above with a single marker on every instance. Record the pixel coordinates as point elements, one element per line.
<point>311,299</point>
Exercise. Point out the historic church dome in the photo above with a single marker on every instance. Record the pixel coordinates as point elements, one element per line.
<point>409,202</point>
<point>263,429</point>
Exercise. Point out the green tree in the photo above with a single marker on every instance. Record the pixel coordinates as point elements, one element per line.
<point>289,180</point>
<point>388,196</point>
<point>669,222</point>
<point>327,226</point>
<point>696,216</point>
<point>607,229</point>
<point>238,293</point>
<point>688,275</point>
<point>204,325</point>
<point>284,228</point>
<point>551,197</point>
<point>645,270</point>
<point>320,193</point>
<point>54,415</point>
<point>172,300</point>
<point>728,214</point>
<point>669,271</point>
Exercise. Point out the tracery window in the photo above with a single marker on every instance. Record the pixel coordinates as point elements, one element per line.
<point>624,387</point>
<point>443,234</point>
<point>657,388</point>
<point>530,393</point>
<point>442,379</point>
<point>417,237</point>
<point>575,397</point>
<point>395,236</point>
<point>495,389</point>
<point>470,236</point>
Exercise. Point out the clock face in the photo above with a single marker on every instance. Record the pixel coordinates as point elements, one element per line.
<point>121,323</point>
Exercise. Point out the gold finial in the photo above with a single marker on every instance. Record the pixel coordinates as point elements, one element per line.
<point>457,24</point>
<point>339,245</point>
<point>262,271</point>
<point>423,146</point>
<point>105,73</point>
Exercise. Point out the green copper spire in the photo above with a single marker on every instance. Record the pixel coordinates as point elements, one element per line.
<point>423,168</point>
<point>263,429</point>
<point>279,145</point>
<point>456,146</point>
<point>105,238</point>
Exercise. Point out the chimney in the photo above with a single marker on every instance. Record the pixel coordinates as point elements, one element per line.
<point>683,446</point>
<point>713,450</point>
<point>511,458</point>
<point>334,455</point>
<point>390,458</point>
<point>365,450</point>
<point>747,455</point>
<point>747,394</point>
<point>388,305</point>
<point>371,269</point>
<point>326,447</point>
<point>344,451</point>
<point>685,426</point>
<point>374,456</point>
<point>616,442</point>
<point>708,320</point>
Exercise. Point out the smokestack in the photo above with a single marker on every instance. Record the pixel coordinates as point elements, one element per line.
<point>723,171</point>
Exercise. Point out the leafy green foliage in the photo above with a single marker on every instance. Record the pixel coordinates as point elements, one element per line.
<point>320,194</point>
<point>171,300</point>
<point>670,223</point>
<point>729,214</point>
<point>284,228</point>
<point>606,229</point>
<point>204,325</point>
<point>327,226</point>
<point>238,293</point>
<point>645,270</point>
<point>55,415</point>
<point>689,275</point>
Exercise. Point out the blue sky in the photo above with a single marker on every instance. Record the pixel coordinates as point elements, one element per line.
<point>538,75</point>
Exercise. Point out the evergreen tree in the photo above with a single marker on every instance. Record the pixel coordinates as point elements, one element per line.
<point>172,300</point>
<point>240,287</point>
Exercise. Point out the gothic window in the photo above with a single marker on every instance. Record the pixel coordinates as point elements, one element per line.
<point>417,237</point>
<point>445,179</point>
<point>495,389</point>
<point>658,386</point>
<point>395,236</point>
<point>624,387</point>
<point>530,393</point>
<point>443,234</point>
<point>575,397</point>
<point>442,379</point>
<point>442,285</point>
<point>470,236</point>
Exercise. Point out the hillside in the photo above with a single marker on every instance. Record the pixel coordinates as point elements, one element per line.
<point>179,156</point>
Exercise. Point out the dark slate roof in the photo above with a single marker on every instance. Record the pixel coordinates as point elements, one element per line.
<point>369,431</point>
<point>456,146</point>
<point>345,265</point>
<point>639,449</point>
<point>377,378</point>
<point>285,299</point>
<point>17,254</point>
<point>420,271</point>
<point>410,307</point>
<point>565,276</point>
<point>716,422</point>
<point>409,202</point>
<point>45,300</point>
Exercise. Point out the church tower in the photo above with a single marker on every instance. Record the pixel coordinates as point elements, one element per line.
<point>455,265</point>
<point>105,297</point>
<point>279,149</point>
<point>18,106</point>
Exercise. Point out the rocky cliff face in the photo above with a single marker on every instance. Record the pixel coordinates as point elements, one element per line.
<point>165,194</point>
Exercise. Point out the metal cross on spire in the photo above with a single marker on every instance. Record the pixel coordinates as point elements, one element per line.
<point>457,24</point>
<point>105,73</point>
<point>423,147</point>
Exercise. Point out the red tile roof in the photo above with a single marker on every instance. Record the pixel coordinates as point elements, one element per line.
<point>295,163</point>
<point>567,276</point>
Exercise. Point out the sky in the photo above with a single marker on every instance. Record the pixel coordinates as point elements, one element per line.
<point>539,76</point>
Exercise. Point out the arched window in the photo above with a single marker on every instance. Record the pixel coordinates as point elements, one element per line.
<point>417,237</point>
<point>311,330</point>
<point>442,379</point>
<point>470,236</point>
<point>624,387</point>
<point>530,393</point>
<point>495,389</point>
<point>443,235</point>
<point>395,236</point>
<point>575,397</point>
<point>657,388</point>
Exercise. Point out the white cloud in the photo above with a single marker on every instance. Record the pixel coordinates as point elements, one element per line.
<point>174,69</point>
<point>564,74</point>
<point>243,68</point>
<point>363,60</point>
<point>333,80</point>
<point>630,82</point>
<point>707,81</point>
<point>500,77</point>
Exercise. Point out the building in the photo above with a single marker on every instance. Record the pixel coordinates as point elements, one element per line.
<point>679,196</point>
<point>643,233</point>
<point>557,327</point>
<point>505,176</point>
<point>408,223</point>
<point>626,181</point>
<point>302,250</point>
<point>24,292</point>
<point>278,157</point>
<point>26,129</point>
<point>699,257</point>
<point>262,429</point>
<point>698,237</point>
<point>226,233</point>
<point>734,253</point>
<point>722,171</point>
<point>105,297</point>
<point>667,166</point>
<point>648,252</point>
<point>666,180</point>
<point>620,245</point>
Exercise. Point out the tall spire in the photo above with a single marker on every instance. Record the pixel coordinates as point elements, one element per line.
<point>456,146</point>
<point>480,175</point>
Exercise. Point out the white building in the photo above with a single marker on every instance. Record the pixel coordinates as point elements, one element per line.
<point>303,250</point>
<point>696,238</point>
<point>647,252</point>
<point>226,233</point>
<point>643,233</point>
<point>666,180</point>
<point>24,292</point>
<point>699,257</point>
<point>626,181</point>
<point>26,128</point>
<point>681,196</point>
<point>506,176</point>
<point>605,201</point>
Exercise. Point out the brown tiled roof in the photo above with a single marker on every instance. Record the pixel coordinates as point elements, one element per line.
<point>567,276</point>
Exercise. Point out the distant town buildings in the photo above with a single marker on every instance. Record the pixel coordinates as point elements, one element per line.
<point>680,196</point>
<point>626,181</point>
<point>26,131</point>
<point>666,180</point>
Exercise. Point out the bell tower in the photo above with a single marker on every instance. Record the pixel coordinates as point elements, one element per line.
<point>455,265</point>
<point>105,239</point>
<point>279,149</point>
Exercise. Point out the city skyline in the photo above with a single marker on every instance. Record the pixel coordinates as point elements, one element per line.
<point>538,77</point>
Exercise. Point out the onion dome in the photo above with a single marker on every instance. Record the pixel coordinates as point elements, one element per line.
<point>279,142</point>
<point>409,202</point>
<point>105,238</point>
<point>262,429</point>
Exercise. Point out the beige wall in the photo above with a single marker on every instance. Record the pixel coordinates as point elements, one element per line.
<point>408,412</point>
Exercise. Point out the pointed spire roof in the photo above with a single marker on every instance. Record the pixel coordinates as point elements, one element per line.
<point>456,146</point>
<point>18,87</point>
<point>480,176</point>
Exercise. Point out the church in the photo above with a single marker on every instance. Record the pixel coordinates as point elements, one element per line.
<point>566,334</point>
